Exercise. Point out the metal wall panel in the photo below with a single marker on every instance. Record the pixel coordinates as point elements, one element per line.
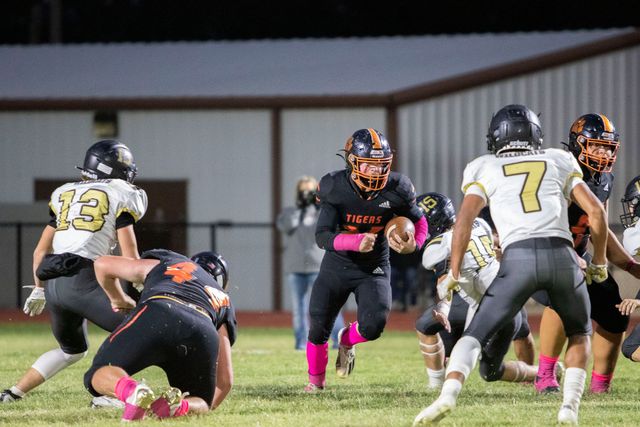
<point>439,136</point>
<point>40,145</point>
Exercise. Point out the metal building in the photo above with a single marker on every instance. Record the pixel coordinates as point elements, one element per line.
<point>222,130</point>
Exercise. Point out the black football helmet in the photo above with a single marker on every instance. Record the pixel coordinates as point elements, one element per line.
<point>215,265</point>
<point>109,159</point>
<point>371,147</point>
<point>593,140</point>
<point>631,203</point>
<point>514,127</point>
<point>439,211</point>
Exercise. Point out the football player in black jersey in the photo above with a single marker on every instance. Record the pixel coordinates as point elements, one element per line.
<point>594,142</point>
<point>355,205</point>
<point>184,323</point>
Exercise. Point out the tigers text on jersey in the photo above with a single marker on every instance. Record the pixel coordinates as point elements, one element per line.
<point>527,191</point>
<point>343,210</point>
<point>631,239</point>
<point>86,214</point>
<point>601,185</point>
<point>479,264</point>
<point>177,276</point>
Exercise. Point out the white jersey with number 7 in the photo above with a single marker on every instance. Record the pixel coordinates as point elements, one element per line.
<point>527,191</point>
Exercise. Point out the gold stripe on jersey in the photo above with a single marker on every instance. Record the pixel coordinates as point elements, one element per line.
<point>466,187</point>
<point>53,208</point>
<point>435,240</point>
<point>571,175</point>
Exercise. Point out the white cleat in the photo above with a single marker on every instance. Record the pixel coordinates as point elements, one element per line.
<point>559,372</point>
<point>567,415</point>
<point>346,360</point>
<point>106,402</point>
<point>435,412</point>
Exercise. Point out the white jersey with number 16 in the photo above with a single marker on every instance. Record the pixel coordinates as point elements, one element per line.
<point>527,191</point>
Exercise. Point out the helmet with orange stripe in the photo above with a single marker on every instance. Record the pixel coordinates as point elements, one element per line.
<point>593,140</point>
<point>368,155</point>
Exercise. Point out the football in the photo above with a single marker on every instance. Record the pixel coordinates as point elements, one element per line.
<point>399,225</point>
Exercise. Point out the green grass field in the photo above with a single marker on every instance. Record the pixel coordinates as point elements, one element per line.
<point>387,388</point>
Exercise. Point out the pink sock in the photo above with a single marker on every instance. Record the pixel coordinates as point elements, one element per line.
<point>352,337</point>
<point>317,358</point>
<point>183,409</point>
<point>124,387</point>
<point>547,366</point>
<point>600,382</point>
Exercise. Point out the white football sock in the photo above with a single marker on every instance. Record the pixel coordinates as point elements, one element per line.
<point>436,377</point>
<point>15,390</point>
<point>451,389</point>
<point>464,356</point>
<point>574,380</point>
<point>54,361</point>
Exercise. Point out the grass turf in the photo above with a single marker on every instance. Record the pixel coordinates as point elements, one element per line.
<point>387,388</point>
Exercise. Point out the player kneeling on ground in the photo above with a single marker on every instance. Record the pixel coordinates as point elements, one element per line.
<point>184,323</point>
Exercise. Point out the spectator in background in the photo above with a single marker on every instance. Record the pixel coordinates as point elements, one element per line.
<point>302,257</point>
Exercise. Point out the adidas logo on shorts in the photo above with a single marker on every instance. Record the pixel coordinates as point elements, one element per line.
<point>378,271</point>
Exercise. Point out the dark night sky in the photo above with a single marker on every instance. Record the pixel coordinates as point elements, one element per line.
<point>29,21</point>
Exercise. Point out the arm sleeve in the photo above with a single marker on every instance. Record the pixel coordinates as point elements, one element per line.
<point>570,168</point>
<point>52,218</point>
<point>422,231</point>
<point>410,208</point>
<point>125,219</point>
<point>471,183</point>
<point>232,324</point>
<point>325,230</point>
<point>328,219</point>
<point>437,251</point>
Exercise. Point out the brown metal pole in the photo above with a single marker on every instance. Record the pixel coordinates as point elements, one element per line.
<point>276,201</point>
<point>392,134</point>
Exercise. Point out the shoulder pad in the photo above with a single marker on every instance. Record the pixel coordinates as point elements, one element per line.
<point>404,186</point>
<point>325,187</point>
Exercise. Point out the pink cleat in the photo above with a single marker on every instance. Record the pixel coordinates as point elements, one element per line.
<point>137,403</point>
<point>546,384</point>
<point>600,383</point>
<point>550,384</point>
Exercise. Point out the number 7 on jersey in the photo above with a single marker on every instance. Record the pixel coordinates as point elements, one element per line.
<point>534,172</point>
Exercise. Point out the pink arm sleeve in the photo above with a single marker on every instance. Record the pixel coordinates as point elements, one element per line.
<point>422,229</point>
<point>347,242</point>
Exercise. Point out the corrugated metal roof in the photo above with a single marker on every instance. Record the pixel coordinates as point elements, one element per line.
<point>264,68</point>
